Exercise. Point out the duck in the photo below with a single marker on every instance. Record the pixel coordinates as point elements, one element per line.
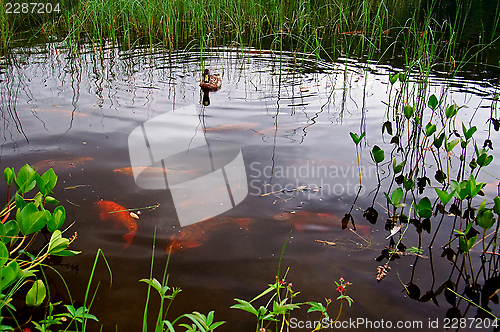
<point>211,82</point>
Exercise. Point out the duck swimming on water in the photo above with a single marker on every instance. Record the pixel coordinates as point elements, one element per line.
<point>211,82</point>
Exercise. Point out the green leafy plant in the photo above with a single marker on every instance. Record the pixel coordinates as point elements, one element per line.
<point>30,216</point>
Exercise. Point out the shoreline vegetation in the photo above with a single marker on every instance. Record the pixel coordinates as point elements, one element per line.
<point>371,30</point>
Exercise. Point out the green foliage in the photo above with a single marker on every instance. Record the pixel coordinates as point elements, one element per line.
<point>408,111</point>
<point>355,138</point>
<point>433,102</point>
<point>30,217</point>
<point>36,294</point>
<point>377,154</point>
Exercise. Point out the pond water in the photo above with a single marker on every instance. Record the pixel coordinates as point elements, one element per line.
<point>289,115</point>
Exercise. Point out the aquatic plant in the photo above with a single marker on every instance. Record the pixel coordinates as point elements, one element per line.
<point>199,322</point>
<point>20,265</point>
<point>281,303</point>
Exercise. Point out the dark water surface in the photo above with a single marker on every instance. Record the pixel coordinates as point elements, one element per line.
<point>290,116</point>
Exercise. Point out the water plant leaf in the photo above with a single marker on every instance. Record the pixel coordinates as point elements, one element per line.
<point>450,297</point>
<point>20,202</point>
<point>397,168</point>
<point>438,141</point>
<point>345,221</point>
<point>387,126</point>
<point>8,174</point>
<point>7,276</point>
<point>430,129</point>
<point>433,102</point>
<point>468,133</point>
<point>36,294</point>
<point>395,140</point>
<point>377,154</point>
<point>450,145</point>
<point>31,220</point>
<point>424,208</point>
<point>496,123</point>
<point>4,254</point>
<point>46,182</point>
<point>355,138</point>
<point>408,184</point>
<point>25,179</point>
<point>396,197</point>
<point>57,219</point>
<point>450,254</point>
<point>393,78</point>
<point>399,179</point>
<point>440,176</point>
<point>371,215</point>
<point>451,111</point>
<point>408,111</point>
<point>484,159</point>
<point>496,208</point>
<point>57,242</point>
<point>316,306</point>
<point>485,218</point>
<point>413,291</point>
<point>155,284</point>
<point>422,183</point>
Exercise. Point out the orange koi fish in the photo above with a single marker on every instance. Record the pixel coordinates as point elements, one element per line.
<point>311,221</point>
<point>120,218</point>
<point>195,235</point>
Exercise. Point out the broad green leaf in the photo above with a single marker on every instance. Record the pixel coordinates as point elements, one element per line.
<point>377,154</point>
<point>468,133</point>
<point>444,196</point>
<point>4,254</point>
<point>20,202</point>
<point>408,111</point>
<point>7,276</point>
<point>355,138</point>
<point>25,179</point>
<point>399,167</point>
<point>430,129</point>
<point>451,111</point>
<point>438,141</point>
<point>32,220</point>
<point>450,145</point>
<point>396,196</point>
<point>433,102</point>
<point>57,219</point>
<point>57,243</point>
<point>36,294</point>
<point>485,219</point>
<point>425,208</point>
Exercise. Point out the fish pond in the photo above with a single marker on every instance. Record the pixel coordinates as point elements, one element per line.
<point>357,193</point>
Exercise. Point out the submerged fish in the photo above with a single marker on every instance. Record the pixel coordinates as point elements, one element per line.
<point>195,235</point>
<point>153,171</point>
<point>60,163</point>
<point>123,218</point>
